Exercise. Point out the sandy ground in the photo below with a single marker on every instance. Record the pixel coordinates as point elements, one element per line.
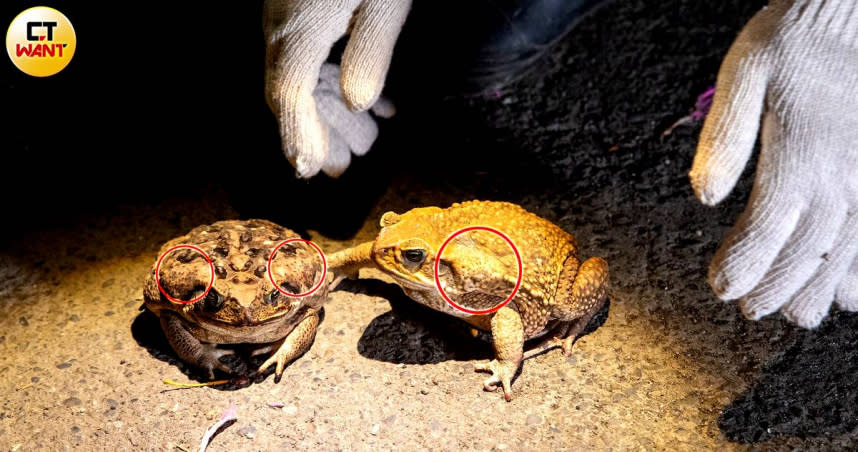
<point>578,142</point>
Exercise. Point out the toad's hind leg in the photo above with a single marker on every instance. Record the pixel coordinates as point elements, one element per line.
<point>581,293</point>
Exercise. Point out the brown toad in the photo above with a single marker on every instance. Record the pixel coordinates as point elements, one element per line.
<point>558,295</point>
<point>243,306</point>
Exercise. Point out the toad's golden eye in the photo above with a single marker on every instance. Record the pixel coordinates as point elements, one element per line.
<point>213,301</point>
<point>415,257</point>
<point>272,297</point>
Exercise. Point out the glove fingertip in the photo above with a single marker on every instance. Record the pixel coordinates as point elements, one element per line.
<point>307,159</point>
<point>847,292</point>
<point>339,158</point>
<point>704,189</point>
<point>753,311</point>
<point>359,93</point>
<point>384,108</point>
<point>712,179</point>
<point>808,317</point>
<point>727,282</point>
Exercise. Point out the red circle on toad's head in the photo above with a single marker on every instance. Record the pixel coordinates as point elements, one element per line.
<point>158,277</point>
<point>438,262</point>
<point>321,280</point>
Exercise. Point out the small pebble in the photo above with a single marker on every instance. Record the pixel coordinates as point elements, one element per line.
<point>290,410</point>
<point>375,429</point>
<point>23,321</point>
<point>247,431</point>
<point>533,419</point>
<point>72,401</point>
<point>108,283</point>
<point>74,318</point>
<point>108,313</point>
<point>75,429</point>
<point>63,365</point>
<point>435,429</point>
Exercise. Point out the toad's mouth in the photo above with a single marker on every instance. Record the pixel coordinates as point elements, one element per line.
<point>205,322</point>
<point>245,332</point>
<point>421,285</point>
<point>411,283</point>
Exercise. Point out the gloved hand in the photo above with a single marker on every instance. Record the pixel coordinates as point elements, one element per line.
<point>795,65</point>
<point>318,125</point>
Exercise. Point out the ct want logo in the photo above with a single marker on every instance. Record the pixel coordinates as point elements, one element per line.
<point>40,41</point>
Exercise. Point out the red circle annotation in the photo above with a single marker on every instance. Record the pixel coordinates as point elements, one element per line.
<point>158,277</point>
<point>321,280</point>
<point>438,262</point>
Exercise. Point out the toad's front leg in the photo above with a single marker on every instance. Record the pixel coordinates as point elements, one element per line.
<point>190,349</point>
<point>508,341</point>
<point>293,345</point>
<point>348,262</point>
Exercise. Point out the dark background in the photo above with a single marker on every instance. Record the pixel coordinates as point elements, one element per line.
<point>168,98</point>
<point>159,99</point>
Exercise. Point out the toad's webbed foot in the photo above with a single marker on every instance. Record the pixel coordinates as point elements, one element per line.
<point>502,372</point>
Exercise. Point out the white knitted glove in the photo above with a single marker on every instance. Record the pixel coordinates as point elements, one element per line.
<point>317,133</point>
<point>795,65</point>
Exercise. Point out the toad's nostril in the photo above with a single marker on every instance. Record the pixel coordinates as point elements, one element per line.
<point>260,271</point>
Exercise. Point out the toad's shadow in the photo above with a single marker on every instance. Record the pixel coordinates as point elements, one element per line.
<point>810,390</point>
<point>146,330</point>
<point>411,333</point>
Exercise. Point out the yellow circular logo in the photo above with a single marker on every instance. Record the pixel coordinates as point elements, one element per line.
<point>41,41</point>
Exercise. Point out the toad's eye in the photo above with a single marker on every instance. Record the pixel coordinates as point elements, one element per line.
<point>272,297</point>
<point>213,301</point>
<point>414,256</point>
